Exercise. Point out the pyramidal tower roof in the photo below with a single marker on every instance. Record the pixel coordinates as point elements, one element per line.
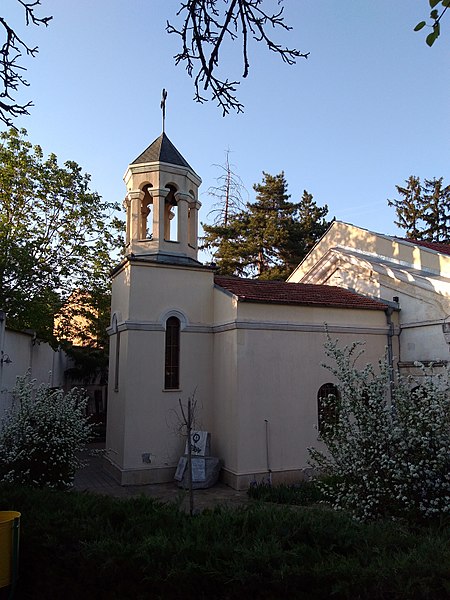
<point>162,150</point>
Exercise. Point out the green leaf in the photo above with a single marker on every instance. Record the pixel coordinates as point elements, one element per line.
<point>433,3</point>
<point>420,25</point>
<point>434,14</point>
<point>446,3</point>
<point>431,38</point>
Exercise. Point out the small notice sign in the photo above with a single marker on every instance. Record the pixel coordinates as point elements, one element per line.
<point>200,443</point>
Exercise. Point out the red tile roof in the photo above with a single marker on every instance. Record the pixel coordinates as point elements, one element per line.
<point>280,292</point>
<point>437,246</point>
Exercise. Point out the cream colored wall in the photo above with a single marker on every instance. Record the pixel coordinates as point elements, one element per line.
<point>155,289</point>
<point>150,414</point>
<point>143,418</point>
<point>225,425</point>
<point>422,314</point>
<point>310,315</point>
<point>267,365</point>
<point>120,292</point>
<point>225,306</point>
<point>279,375</point>
<point>115,439</point>
<point>422,310</point>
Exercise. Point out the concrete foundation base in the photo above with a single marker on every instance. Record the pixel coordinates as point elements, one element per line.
<point>139,476</point>
<point>242,481</point>
<point>237,481</point>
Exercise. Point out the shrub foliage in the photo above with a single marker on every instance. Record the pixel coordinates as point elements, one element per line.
<point>41,436</point>
<point>388,449</point>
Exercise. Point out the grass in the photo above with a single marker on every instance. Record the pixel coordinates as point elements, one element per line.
<point>78,545</point>
<point>303,493</point>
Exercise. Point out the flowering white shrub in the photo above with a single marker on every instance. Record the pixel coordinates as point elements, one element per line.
<point>41,436</point>
<point>388,443</point>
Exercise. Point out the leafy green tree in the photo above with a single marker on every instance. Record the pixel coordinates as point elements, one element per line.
<point>56,236</point>
<point>423,210</point>
<point>270,237</point>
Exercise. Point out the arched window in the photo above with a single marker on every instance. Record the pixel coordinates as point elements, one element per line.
<point>327,396</point>
<point>146,232</point>
<point>171,215</point>
<point>172,360</point>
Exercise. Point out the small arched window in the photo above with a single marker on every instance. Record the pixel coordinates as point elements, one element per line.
<point>327,398</point>
<point>172,359</point>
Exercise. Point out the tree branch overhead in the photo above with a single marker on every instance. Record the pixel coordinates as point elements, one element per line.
<point>207,24</point>
<point>11,72</point>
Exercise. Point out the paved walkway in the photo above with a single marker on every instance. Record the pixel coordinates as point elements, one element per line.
<point>93,478</point>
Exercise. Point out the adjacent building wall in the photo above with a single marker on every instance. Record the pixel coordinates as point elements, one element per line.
<point>387,268</point>
<point>23,353</point>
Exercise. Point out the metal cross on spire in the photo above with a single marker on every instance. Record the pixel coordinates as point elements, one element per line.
<point>163,107</point>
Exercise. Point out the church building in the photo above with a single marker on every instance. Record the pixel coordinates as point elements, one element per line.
<point>249,351</point>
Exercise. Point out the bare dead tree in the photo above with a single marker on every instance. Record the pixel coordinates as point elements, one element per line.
<point>188,418</point>
<point>183,422</point>
<point>229,194</point>
<point>11,72</point>
<point>205,27</point>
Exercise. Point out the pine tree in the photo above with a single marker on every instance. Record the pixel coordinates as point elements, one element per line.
<point>307,228</point>
<point>423,211</point>
<point>271,236</point>
<point>267,227</point>
<point>223,234</point>
<point>436,202</point>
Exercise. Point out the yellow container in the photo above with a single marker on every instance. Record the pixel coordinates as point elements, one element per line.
<point>9,546</point>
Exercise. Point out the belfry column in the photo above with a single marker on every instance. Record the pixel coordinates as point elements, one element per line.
<point>134,204</point>
<point>159,196</point>
<point>127,207</point>
<point>183,208</point>
<point>193,224</point>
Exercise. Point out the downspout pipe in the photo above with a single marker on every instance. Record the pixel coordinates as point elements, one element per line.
<point>269,470</point>
<point>390,352</point>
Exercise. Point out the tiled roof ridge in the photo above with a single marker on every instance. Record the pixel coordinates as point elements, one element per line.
<point>282,292</point>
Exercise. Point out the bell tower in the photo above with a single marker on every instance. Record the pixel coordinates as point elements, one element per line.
<point>162,205</point>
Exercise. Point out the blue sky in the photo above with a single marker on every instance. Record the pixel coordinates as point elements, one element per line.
<point>366,110</point>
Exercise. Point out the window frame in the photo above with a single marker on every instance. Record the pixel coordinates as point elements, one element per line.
<point>172,354</point>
